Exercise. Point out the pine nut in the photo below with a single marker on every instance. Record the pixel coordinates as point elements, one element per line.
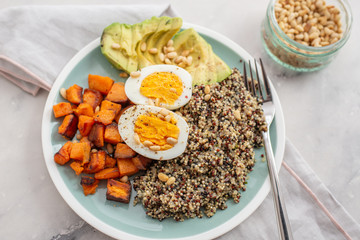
<point>237,115</point>
<point>151,102</point>
<point>164,112</point>
<point>207,89</point>
<point>168,118</point>
<point>189,60</point>
<point>157,102</point>
<point>163,177</point>
<point>171,141</point>
<point>207,97</point>
<point>170,49</point>
<point>115,46</point>
<point>170,43</point>
<point>147,143</point>
<point>63,92</point>
<point>162,57</point>
<point>171,55</point>
<point>185,53</point>
<point>78,136</point>
<point>94,150</point>
<point>154,148</point>
<point>109,148</point>
<point>97,109</point>
<point>124,179</point>
<point>137,138</point>
<point>123,75</point>
<point>170,181</point>
<point>167,61</point>
<point>143,46</point>
<point>153,50</point>
<point>135,74</point>
<point>182,64</point>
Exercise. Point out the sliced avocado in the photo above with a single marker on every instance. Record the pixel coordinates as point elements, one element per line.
<point>128,56</point>
<point>206,67</point>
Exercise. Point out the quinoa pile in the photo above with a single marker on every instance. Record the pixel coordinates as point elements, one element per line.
<point>225,123</point>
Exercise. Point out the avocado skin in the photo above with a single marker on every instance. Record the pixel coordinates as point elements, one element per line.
<point>156,32</point>
<point>207,67</point>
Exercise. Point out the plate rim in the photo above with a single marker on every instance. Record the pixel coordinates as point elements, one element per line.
<point>114,232</point>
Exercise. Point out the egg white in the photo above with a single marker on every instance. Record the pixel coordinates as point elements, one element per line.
<point>132,85</point>
<point>127,125</point>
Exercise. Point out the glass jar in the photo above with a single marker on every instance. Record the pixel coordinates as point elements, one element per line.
<point>298,56</point>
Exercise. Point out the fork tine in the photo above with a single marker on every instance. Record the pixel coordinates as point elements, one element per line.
<point>259,82</point>
<point>252,81</point>
<point>246,82</point>
<point>266,82</point>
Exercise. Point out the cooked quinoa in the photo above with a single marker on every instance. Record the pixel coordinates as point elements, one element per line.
<point>225,123</point>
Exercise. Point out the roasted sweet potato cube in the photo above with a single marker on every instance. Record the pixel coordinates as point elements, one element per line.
<point>86,139</point>
<point>97,162</point>
<point>126,167</point>
<point>84,109</point>
<point>80,151</point>
<point>92,97</point>
<point>100,83</point>
<point>107,105</point>
<point>85,124</point>
<point>68,127</point>
<point>145,161</point>
<point>96,134</point>
<point>117,93</point>
<point>138,163</point>
<point>74,94</point>
<point>62,109</point>
<point>77,167</point>
<point>117,117</point>
<point>118,191</point>
<point>104,116</point>
<point>112,134</point>
<point>89,184</point>
<point>63,155</point>
<point>124,151</point>
<point>108,173</point>
<point>110,162</point>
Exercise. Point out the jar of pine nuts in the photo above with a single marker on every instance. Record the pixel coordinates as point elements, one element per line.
<point>305,35</point>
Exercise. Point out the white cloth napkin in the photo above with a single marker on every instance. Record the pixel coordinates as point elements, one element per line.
<point>34,49</point>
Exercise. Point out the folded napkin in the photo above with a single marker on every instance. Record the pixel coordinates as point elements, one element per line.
<point>34,49</point>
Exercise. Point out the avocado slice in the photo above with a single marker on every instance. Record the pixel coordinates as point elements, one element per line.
<point>206,67</point>
<point>128,57</point>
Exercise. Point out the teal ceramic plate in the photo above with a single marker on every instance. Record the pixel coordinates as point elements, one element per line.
<point>125,221</point>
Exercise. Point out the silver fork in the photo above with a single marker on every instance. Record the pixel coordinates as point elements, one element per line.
<point>269,111</point>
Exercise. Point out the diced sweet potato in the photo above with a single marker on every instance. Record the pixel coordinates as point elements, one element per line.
<point>117,117</point>
<point>100,83</point>
<point>96,134</point>
<point>92,97</point>
<point>76,166</point>
<point>89,184</point>
<point>145,161</point>
<point>97,162</point>
<point>108,173</point>
<point>109,162</point>
<point>84,109</point>
<point>126,167</point>
<point>138,163</point>
<point>107,105</point>
<point>68,127</point>
<point>85,124</point>
<point>86,139</point>
<point>118,191</point>
<point>80,151</point>
<point>124,151</point>
<point>112,134</point>
<point>74,94</point>
<point>104,116</point>
<point>62,109</point>
<point>63,155</point>
<point>117,93</point>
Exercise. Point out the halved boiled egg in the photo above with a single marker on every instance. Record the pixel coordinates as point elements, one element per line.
<point>154,132</point>
<point>168,86</point>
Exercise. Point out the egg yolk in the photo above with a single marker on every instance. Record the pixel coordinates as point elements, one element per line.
<point>153,129</point>
<point>165,86</point>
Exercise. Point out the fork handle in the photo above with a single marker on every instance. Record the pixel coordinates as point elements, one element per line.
<point>281,214</point>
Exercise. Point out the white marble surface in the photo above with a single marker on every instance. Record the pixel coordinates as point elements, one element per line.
<point>321,113</point>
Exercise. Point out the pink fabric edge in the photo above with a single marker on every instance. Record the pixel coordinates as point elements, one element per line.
<point>38,81</point>
<point>19,84</point>
<point>317,200</point>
